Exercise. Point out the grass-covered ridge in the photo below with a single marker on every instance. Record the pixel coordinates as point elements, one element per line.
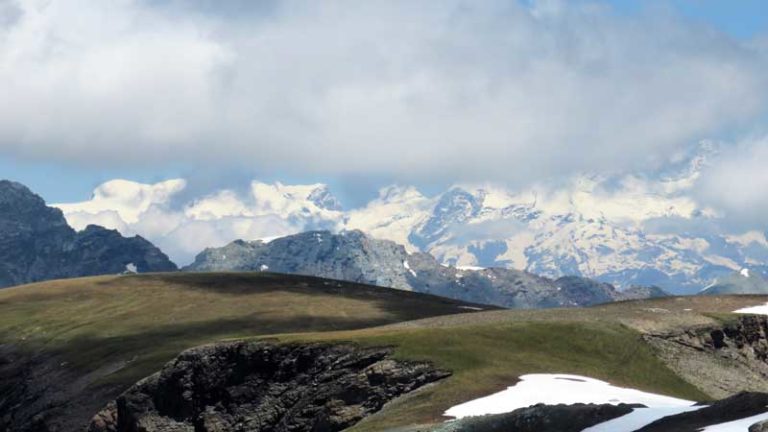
<point>142,321</point>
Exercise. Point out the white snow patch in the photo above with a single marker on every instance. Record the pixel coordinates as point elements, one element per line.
<point>756,310</point>
<point>471,308</point>
<point>555,389</point>
<point>408,267</point>
<point>744,272</point>
<point>471,268</point>
<point>737,425</point>
<point>639,418</point>
<point>131,268</point>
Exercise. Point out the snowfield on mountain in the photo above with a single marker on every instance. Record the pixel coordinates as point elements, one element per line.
<point>620,230</point>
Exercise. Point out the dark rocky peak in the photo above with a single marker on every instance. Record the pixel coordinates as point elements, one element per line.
<point>37,244</point>
<point>20,205</point>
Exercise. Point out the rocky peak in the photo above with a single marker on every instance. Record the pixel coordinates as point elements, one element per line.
<point>37,244</point>
<point>456,206</point>
<point>354,256</point>
<point>324,199</point>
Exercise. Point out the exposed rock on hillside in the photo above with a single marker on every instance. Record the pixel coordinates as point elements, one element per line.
<point>265,387</point>
<point>37,244</point>
<point>355,257</point>
<point>720,360</point>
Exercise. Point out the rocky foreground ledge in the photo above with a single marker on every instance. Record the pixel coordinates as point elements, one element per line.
<point>259,386</point>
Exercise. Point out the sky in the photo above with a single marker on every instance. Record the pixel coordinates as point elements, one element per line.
<point>359,95</point>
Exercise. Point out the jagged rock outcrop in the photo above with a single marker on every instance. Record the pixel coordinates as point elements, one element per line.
<point>721,360</point>
<point>258,386</point>
<point>542,418</point>
<point>355,257</point>
<point>350,256</point>
<point>37,244</point>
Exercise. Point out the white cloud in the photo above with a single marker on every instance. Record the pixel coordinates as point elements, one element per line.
<point>128,199</point>
<point>736,182</point>
<point>416,90</point>
<point>182,230</point>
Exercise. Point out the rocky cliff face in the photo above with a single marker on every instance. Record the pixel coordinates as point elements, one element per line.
<point>355,257</point>
<point>37,244</point>
<point>720,360</point>
<point>265,387</point>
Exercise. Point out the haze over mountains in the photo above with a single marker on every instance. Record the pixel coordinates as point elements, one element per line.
<point>637,229</point>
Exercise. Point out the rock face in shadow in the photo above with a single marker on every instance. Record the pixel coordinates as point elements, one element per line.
<point>36,244</point>
<point>542,418</point>
<point>257,386</point>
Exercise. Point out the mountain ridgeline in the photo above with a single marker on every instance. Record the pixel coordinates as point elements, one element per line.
<point>353,256</point>
<point>36,244</point>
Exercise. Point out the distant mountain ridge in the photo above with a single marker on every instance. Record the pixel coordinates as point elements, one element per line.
<point>354,256</point>
<point>641,229</point>
<point>36,244</point>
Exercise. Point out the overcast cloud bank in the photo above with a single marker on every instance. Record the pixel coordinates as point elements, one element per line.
<point>469,91</point>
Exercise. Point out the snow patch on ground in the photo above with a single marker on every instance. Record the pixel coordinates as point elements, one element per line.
<point>639,418</point>
<point>555,389</point>
<point>756,310</point>
<point>736,425</point>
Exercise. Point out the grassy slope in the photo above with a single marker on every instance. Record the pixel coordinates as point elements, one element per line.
<point>146,320</point>
<point>140,322</point>
<point>488,358</point>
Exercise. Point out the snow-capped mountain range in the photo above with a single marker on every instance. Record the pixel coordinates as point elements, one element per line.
<point>636,229</point>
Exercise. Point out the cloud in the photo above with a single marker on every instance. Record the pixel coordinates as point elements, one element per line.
<point>736,182</point>
<point>183,228</point>
<point>410,90</point>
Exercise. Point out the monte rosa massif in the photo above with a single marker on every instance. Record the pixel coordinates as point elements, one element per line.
<point>632,230</point>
